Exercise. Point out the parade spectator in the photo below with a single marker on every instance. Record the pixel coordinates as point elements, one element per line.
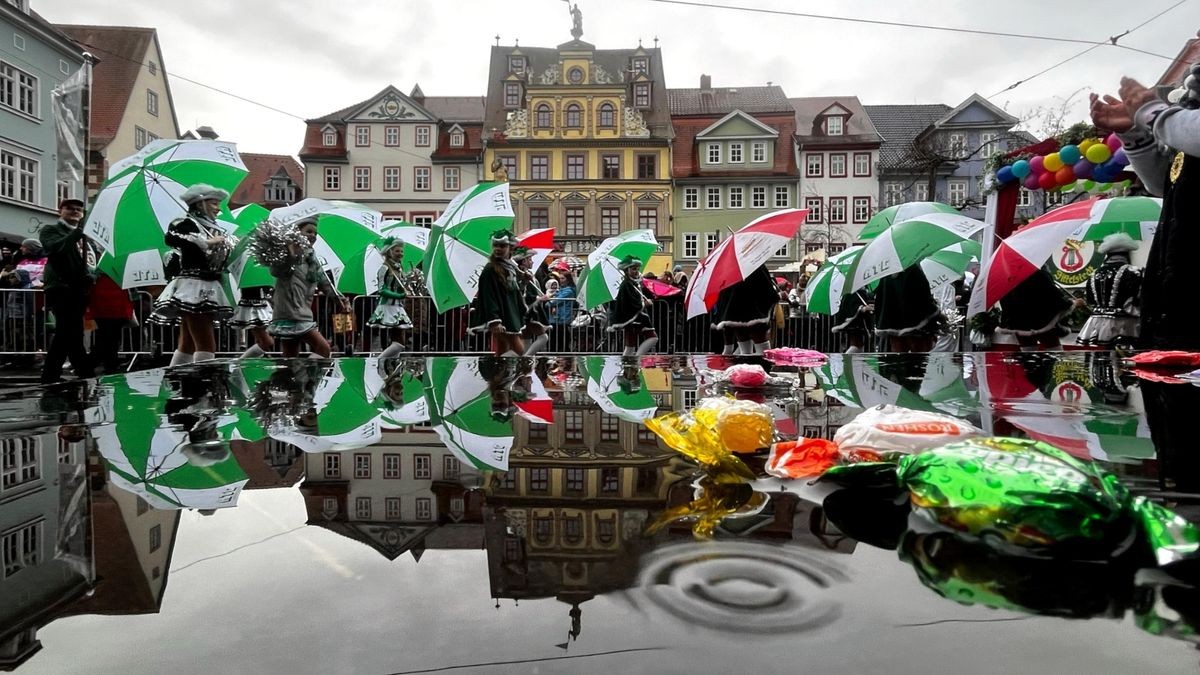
<point>68,282</point>
<point>562,309</point>
<point>22,274</point>
<point>681,279</point>
<point>110,307</point>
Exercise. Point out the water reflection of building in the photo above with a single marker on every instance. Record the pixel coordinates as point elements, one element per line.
<point>269,463</point>
<point>394,495</point>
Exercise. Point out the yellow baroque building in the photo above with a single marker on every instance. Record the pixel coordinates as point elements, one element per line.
<point>583,135</point>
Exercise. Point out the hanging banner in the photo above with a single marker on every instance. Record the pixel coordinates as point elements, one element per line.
<point>70,125</point>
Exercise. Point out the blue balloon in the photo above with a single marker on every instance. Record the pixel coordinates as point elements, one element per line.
<point>1069,154</point>
<point>1005,175</point>
<point>1021,169</point>
<point>1083,168</point>
<point>1101,173</point>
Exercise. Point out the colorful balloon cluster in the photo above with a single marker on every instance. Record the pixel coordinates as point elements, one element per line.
<point>1094,161</point>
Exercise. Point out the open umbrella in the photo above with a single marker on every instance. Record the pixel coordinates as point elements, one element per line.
<point>460,409</point>
<point>740,254</point>
<point>909,242</point>
<point>1023,253</point>
<point>415,238</point>
<point>243,268</point>
<point>460,243</point>
<point>567,263</point>
<point>660,289</point>
<point>540,241</point>
<point>538,407</point>
<point>950,264</point>
<point>346,236</point>
<point>823,294</point>
<point>141,197</point>
<point>898,214</point>
<point>601,279</point>
<point>616,390</point>
<point>399,396</point>
<point>346,419</point>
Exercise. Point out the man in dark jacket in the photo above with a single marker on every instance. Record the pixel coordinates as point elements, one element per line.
<point>67,281</point>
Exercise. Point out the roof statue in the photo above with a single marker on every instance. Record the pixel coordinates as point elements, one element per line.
<point>576,20</point>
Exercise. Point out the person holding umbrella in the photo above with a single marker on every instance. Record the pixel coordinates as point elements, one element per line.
<point>298,273</point>
<point>537,320</point>
<point>749,310</point>
<point>905,311</point>
<point>195,296</point>
<point>68,281</point>
<point>390,313</point>
<point>499,308</point>
<point>1034,311</point>
<point>629,311</point>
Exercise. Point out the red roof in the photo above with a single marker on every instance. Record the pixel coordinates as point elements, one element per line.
<point>686,159</point>
<point>472,148</point>
<point>1178,69</point>
<point>262,168</point>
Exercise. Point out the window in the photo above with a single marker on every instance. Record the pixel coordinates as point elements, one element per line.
<point>712,198</point>
<point>329,506</point>
<point>713,153</point>
<point>539,167</point>
<point>814,165</point>
<point>152,102</point>
<point>539,479</point>
<point>988,144</point>
<point>758,197</point>
<point>278,191</point>
<point>451,468</point>
<point>691,242</point>
<point>141,137</point>
<point>18,89</point>
<point>457,505</point>
<point>834,125</point>
<point>575,76</point>
<point>391,508</point>
<point>574,425</point>
<point>422,178</point>
<point>512,95</point>
<point>391,136</point>
<point>423,136</point>
<point>423,221</point>
<point>610,222</point>
<point>333,466</point>
<point>543,529</point>
<point>711,241</point>
<point>424,508</point>
<point>958,144</point>
<point>450,178</point>
<point>573,529</point>
<point>508,481</point>
<point>516,64</point>
<point>573,218</point>
<point>329,138</point>
<point>647,167</point>
<point>362,508</point>
<point>782,197</point>
<point>541,118</point>
<point>611,166</point>
<point>362,466</point>
<point>862,164</point>
<point>362,136</point>
<point>23,548</point>
<point>834,249</point>
<point>152,67</point>
<point>957,191</point>
<point>575,164</point>
<point>610,480</point>
<point>510,165</point>
<point>391,178</point>
<point>1023,198</point>
<point>608,116</point>
<point>921,191</point>
<point>574,116</point>
<point>539,218</point>
<point>457,139</point>
<point>333,178</point>
<point>641,94</point>
<point>362,178</point>
<point>862,209</point>
<point>155,538</point>
<point>575,480</point>
<point>837,165</point>
<point>538,433</point>
<point>735,153</point>
<point>691,198</point>
<point>609,427</point>
<point>837,209</point>
<point>758,152</point>
<point>20,462</point>
<point>893,193</point>
<point>644,435</point>
<point>1054,198</point>
<point>785,251</point>
<point>641,65</point>
<point>689,399</point>
<point>648,219</point>
<point>813,204</point>
<point>421,467</point>
<point>735,196</point>
<point>391,466</point>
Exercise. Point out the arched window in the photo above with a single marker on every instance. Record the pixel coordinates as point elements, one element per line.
<point>574,116</point>
<point>608,116</point>
<point>542,118</point>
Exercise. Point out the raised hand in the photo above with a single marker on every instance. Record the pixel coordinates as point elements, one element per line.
<point>1110,114</point>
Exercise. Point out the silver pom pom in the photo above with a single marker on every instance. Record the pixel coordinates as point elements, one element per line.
<point>271,242</point>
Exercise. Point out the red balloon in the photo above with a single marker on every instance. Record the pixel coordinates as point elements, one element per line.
<point>1035,164</point>
<point>1047,181</point>
<point>1065,175</point>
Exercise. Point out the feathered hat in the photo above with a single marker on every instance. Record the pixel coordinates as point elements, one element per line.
<point>504,237</point>
<point>203,192</point>
<point>387,243</point>
<point>628,262</point>
<point>521,253</point>
<point>1117,243</point>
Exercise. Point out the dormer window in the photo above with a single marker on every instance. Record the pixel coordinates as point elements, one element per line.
<point>834,125</point>
<point>512,94</point>
<point>280,191</point>
<point>457,139</point>
<point>516,64</point>
<point>329,137</point>
<point>641,64</point>
<point>641,95</point>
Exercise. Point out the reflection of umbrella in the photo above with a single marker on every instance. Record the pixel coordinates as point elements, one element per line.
<point>346,419</point>
<point>856,381</point>
<point>615,393</point>
<point>460,243</point>
<point>460,408</point>
<point>141,198</point>
<point>905,244</point>
<point>538,408</point>
<point>1020,255</point>
<point>540,242</point>
<point>346,236</point>
<point>740,254</point>
<point>898,214</point>
<point>660,289</point>
<point>601,279</point>
<point>398,396</point>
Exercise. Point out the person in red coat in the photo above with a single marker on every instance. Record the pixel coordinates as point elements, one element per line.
<point>112,310</point>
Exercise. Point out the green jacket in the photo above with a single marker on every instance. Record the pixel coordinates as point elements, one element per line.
<point>66,266</point>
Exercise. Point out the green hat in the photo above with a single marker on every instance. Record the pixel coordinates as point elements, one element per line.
<point>388,242</point>
<point>521,253</point>
<point>504,237</point>
<point>627,262</point>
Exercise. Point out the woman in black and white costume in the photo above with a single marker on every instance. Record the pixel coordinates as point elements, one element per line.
<point>253,313</point>
<point>195,296</point>
<point>747,310</point>
<point>628,310</point>
<point>1113,296</point>
<point>537,319</point>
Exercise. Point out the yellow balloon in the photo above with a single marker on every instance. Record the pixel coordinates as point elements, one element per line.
<point>1052,162</point>
<point>1087,143</point>
<point>1098,153</point>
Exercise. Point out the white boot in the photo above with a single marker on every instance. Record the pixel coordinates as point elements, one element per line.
<point>203,356</point>
<point>393,349</point>
<point>537,345</point>
<point>853,350</point>
<point>629,351</point>
<point>646,346</point>
<point>179,358</point>
<point>509,354</point>
<point>253,352</point>
<point>728,351</point>
<point>760,347</point>
<point>745,348</point>
<point>314,355</point>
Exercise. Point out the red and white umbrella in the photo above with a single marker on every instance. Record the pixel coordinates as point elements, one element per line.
<point>540,241</point>
<point>538,408</point>
<point>1020,255</point>
<point>743,252</point>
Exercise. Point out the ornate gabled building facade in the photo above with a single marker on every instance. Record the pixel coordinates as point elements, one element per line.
<point>583,135</point>
<point>273,181</point>
<point>404,155</point>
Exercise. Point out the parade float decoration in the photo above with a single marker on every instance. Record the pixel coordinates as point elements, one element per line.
<point>1081,159</point>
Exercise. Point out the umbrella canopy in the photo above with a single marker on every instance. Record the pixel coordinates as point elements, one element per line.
<point>856,381</point>
<point>243,268</point>
<point>415,238</point>
<point>660,289</point>
<point>346,418</point>
<point>460,409</point>
<point>346,236</point>
<point>740,254</point>
<point>824,291</point>
<point>142,196</point>
<point>399,396</point>
<point>600,280</point>
<point>1023,253</point>
<point>538,408</point>
<point>540,241</point>
<point>898,214</point>
<point>950,264</point>
<point>460,243</point>
<point>567,264</point>
<point>625,397</point>
<point>907,243</point>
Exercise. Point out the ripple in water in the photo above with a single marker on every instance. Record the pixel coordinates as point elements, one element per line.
<point>742,587</point>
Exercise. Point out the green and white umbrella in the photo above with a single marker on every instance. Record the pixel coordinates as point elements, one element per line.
<point>460,409</point>
<point>950,264</point>
<point>346,235</point>
<point>824,292</point>
<point>142,196</point>
<point>907,243</point>
<point>855,380</point>
<point>244,270</point>
<point>399,396</point>
<point>415,238</point>
<point>460,243</point>
<point>346,417</point>
<point>600,279</point>
<point>625,397</point>
<point>898,214</point>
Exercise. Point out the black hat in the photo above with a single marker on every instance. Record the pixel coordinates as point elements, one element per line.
<point>70,201</point>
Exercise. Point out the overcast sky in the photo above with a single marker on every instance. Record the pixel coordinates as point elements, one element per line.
<point>310,57</point>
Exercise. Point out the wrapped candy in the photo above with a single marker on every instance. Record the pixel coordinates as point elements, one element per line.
<point>794,356</point>
<point>741,426</point>
<point>744,377</point>
<point>889,428</point>
<point>810,457</point>
<point>713,431</point>
<point>713,502</point>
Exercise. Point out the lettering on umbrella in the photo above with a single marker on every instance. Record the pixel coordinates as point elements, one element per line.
<point>228,154</point>
<point>142,276</point>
